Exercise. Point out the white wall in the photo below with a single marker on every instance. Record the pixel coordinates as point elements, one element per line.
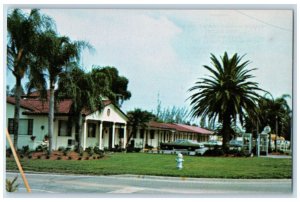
<point>38,121</point>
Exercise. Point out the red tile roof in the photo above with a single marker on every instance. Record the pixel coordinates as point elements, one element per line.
<point>178,127</point>
<point>37,106</point>
<point>196,129</point>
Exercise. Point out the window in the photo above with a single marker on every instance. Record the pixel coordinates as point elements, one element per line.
<point>63,128</point>
<point>142,131</point>
<point>151,134</point>
<point>25,126</point>
<point>91,130</point>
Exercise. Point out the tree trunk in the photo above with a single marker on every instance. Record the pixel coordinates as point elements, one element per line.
<point>17,111</point>
<point>51,116</point>
<point>226,132</point>
<point>79,126</point>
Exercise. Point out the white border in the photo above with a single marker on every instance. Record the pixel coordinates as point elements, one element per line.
<point>248,4</point>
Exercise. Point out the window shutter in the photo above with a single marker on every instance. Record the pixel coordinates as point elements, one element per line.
<point>11,126</point>
<point>30,126</point>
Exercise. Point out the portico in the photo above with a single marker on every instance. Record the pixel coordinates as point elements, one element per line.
<point>105,129</point>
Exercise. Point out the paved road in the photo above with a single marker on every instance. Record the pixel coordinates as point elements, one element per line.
<point>56,185</point>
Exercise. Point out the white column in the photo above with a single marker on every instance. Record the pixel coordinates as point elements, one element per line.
<point>100,135</point>
<point>113,135</point>
<point>124,137</point>
<point>84,134</point>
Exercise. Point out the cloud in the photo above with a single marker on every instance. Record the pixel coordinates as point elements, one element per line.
<point>163,51</point>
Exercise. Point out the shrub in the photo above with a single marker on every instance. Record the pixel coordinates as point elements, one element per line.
<point>30,156</point>
<point>148,147</point>
<point>90,151</point>
<point>66,150</point>
<point>61,148</point>
<point>8,152</point>
<point>25,150</point>
<point>214,152</point>
<point>98,151</point>
<point>11,185</point>
<point>41,148</point>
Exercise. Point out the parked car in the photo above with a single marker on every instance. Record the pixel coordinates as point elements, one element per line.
<point>212,143</point>
<point>236,143</point>
<point>201,150</point>
<point>182,144</point>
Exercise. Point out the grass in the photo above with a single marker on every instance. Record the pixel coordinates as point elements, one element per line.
<point>165,165</point>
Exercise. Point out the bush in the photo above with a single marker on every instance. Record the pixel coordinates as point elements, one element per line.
<point>41,148</point>
<point>148,147</point>
<point>61,148</point>
<point>25,150</point>
<point>11,185</point>
<point>98,151</point>
<point>66,150</point>
<point>8,152</point>
<point>133,149</point>
<point>90,151</point>
<point>214,152</point>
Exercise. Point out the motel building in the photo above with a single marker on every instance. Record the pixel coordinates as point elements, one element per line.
<point>107,128</point>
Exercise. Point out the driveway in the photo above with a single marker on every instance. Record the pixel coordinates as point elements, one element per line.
<point>56,185</point>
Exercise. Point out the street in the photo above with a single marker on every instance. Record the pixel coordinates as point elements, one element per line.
<point>46,184</point>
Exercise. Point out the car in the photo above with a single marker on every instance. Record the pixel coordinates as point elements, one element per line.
<point>190,145</point>
<point>201,150</point>
<point>236,143</point>
<point>212,143</point>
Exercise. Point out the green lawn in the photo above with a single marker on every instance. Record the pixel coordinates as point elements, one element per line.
<point>158,164</point>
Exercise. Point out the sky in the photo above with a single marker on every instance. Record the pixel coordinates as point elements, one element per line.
<point>162,52</point>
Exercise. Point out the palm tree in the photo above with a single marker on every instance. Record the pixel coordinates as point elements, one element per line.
<point>23,31</point>
<point>57,52</point>
<point>276,114</point>
<point>78,86</point>
<point>227,95</point>
<point>138,119</point>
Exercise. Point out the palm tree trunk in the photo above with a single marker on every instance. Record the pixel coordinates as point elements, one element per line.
<point>51,116</point>
<point>226,132</point>
<point>17,111</point>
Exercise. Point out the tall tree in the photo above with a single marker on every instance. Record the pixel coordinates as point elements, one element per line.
<point>57,52</point>
<point>79,86</point>
<point>138,118</point>
<point>273,112</point>
<point>117,84</point>
<point>227,95</point>
<point>23,31</point>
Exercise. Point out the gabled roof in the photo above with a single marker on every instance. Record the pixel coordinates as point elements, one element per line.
<point>36,106</point>
<point>178,127</point>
